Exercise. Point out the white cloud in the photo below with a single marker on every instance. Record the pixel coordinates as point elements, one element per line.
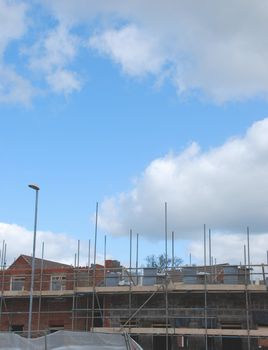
<point>225,187</point>
<point>216,48</point>
<point>230,248</point>
<point>57,246</point>
<point>63,81</point>
<point>12,22</point>
<point>52,54</point>
<point>136,53</point>
<point>57,48</point>
<point>14,88</point>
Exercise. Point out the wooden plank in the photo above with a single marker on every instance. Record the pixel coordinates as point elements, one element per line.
<point>187,331</point>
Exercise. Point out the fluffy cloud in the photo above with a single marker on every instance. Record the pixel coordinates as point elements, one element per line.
<point>57,246</point>
<point>230,248</point>
<point>217,49</point>
<point>13,87</point>
<point>51,55</point>
<point>63,81</point>
<point>129,47</point>
<point>13,22</point>
<point>225,187</point>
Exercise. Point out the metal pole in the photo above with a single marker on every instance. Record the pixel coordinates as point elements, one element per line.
<point>205,283</point>
<point>166,234</point>
<point>247,299</point>
<point>36,188</point>
<point>173,256</point>
<point>77,283</point>
<point>128,346</point>
<point>248,254</point>
<point>105,238</point>
<point>166,266</point>
<point>78,253</point>
<point>74,290</point>
<point>205,248</point>
<point>88,270</point>
<point>209,246</point>
<point>213,271</point>
<point>88,258</point>
<point>94,268</point>
<point>130,252</point>
<point>41,286</point>
<point>248,247</point>
<point>3,277</point>
<point>130,275</point>
<point>3,253</point>
<point>137,259</point>
<point>246,287</point>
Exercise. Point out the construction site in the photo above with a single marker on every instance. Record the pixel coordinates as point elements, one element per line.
<point>213,306</point>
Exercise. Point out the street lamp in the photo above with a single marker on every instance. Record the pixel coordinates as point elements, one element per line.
<point>36,188</point>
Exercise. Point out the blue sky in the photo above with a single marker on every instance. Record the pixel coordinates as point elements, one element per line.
<point>101,103</point>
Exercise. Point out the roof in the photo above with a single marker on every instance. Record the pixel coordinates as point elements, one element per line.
<point>47,264</point>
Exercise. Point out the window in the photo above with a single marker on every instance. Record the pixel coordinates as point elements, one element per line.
<point>17,283</point>
<point>58,282</point>
<point>56,328</point>
<point>17,328</point>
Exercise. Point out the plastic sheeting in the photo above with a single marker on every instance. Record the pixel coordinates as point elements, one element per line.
<point>64,340</point>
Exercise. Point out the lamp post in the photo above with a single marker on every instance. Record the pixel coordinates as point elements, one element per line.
<point>36,189</point>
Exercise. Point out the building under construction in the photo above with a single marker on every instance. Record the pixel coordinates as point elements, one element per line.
<point>217,306</point>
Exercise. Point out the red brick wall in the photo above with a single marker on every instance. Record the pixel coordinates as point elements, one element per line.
<point>69,312</point>
<point>82,276</point>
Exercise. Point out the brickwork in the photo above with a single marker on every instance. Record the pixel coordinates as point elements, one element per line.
<point>49,312</point>
<point>64,301</point>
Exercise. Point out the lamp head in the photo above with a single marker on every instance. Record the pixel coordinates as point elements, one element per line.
<point>34,187</point>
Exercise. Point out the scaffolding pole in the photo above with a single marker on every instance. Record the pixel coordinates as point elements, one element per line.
<point>205,285</point>
<point>247,266</point>
<point>130,274</point>
<point>40,287</point>
<point>166,279</point>
<point>94,269</point>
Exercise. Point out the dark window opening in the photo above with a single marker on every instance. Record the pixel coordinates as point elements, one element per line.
<point>98,319</point>
<point>17,328</point>
<point>56,328</point>
<point>159,342</point>
<point>229,343</point>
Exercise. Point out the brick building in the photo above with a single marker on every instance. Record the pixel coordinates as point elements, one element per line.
<point>54,294</point>
<point>219,307</point>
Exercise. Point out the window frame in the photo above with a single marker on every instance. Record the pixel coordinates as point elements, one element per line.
<point>13,279</point>
<point>58,280</point>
